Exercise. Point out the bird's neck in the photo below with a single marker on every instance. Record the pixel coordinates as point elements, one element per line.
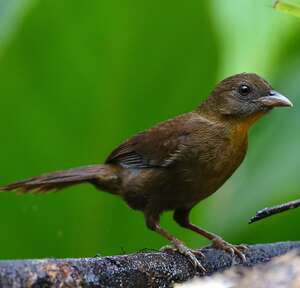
<point>239,126</point>
<point>241,123</point>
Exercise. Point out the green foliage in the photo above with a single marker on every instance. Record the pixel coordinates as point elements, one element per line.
<point>78,77</point>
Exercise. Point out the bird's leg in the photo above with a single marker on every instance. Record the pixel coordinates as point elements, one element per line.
<point>182,218</point>
<point>152,222</point>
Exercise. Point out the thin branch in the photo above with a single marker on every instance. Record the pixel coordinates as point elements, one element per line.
<point>154,269</point>
<point>267,212</point>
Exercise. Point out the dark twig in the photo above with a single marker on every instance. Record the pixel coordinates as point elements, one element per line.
<point>267,212</point>
<point>138,270</point>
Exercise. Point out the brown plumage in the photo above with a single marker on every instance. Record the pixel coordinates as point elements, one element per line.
<point>179,162</point>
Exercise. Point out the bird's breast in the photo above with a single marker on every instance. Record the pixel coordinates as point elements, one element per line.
<point>221,158</point>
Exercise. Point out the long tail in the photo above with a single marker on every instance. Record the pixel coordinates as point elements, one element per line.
<point>103,176</point>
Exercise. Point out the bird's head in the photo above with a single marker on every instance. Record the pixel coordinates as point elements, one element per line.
<point>245,96</point>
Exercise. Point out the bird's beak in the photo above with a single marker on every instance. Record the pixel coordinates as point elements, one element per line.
<point>275,99</point>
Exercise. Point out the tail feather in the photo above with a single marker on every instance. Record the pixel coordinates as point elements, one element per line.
<point>100,175</point>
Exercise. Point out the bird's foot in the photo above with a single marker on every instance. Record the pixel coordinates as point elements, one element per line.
<point>178,246</point>
<point>238,250</point>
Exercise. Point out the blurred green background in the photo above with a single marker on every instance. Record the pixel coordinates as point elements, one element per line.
<point>79,77</point>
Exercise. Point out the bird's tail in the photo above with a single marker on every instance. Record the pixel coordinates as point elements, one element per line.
<point>103,176</point>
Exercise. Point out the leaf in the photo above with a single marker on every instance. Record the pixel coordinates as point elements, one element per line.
<point>290,8</point>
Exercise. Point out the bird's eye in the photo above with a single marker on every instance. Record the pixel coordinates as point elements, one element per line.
<point>244,90</point>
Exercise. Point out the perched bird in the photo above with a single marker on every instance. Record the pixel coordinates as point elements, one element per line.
<point>179,162</point>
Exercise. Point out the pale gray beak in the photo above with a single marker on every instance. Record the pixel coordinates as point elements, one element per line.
<point>275,99</point>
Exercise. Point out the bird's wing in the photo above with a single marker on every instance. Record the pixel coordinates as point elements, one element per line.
<point>159,146</point>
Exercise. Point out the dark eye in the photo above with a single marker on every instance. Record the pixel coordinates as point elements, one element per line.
<point>244,90</point>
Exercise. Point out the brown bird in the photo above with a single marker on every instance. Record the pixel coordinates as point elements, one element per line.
<point>179,162</point>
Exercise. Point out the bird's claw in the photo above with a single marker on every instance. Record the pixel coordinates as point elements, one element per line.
<point>199,253</point>
<point>238,250</point>
<point>189,253</point>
